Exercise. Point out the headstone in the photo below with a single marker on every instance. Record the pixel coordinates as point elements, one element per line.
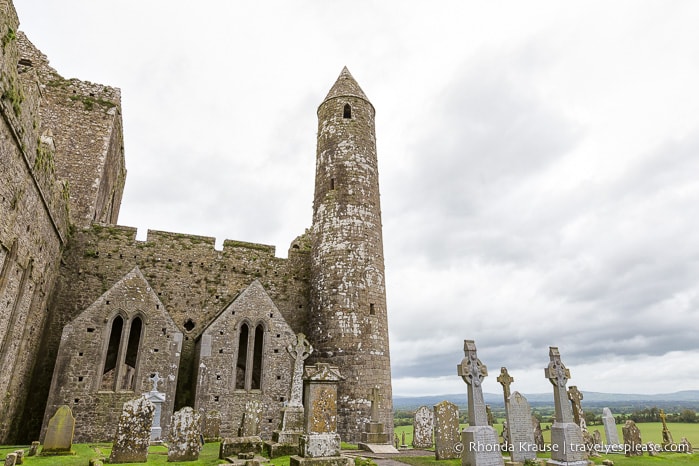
<point>423,423</point>
<point>374,439</point>
<point>652,449</point>
<point>248,440</point>
<point>685,446</point>
<point>320,443</point>
<point>597,439</point>
<point>505,379</point>
<point>403,445</point>
<point>589,442</point>
<point>479,440</point>
<point>11,459</point>
<point>285,441</point>
<point>183,443</point>
<point>610,431</point>
<point>538,433</point>
<point>157,399</point>
<point>446,431</point>
<point>575,396</point>
<point>20,456</point>
<point>133,433</point>
<point>59,433</point>
<point>491,418</point>
<point>567,445</point>
<point>34,449</point>
<point>522,442</point>
<point>633,446</point>
<point>211,426</point>
<point>668,443</point>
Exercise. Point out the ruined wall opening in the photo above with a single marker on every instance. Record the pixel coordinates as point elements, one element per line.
<point>242,362</point>
<point>257,358</point>
<point>128,377</point>
<point>110,360</point>
<point>347,112</point>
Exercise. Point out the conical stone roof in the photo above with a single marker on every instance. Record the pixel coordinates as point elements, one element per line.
<point>345,86</point>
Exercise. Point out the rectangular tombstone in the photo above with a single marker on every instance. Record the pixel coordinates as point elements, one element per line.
<point>519,421</point>
<point>423,425</point>
<point>133,433</point>
<point>610,431</point>
<point>446,431</point>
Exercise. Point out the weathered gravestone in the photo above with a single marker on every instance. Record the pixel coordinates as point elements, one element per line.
<point>374,439</point>
<point>320,443</point>
<point>479,440</point>
<point>491,418</point>
<point>633,446</point>
<point>446,431</point>
<point>133,432</point>
<point>685,446</point>
<point>59,433</point>
<point>423,423</point>
<point>248,440</point>
<point>20,456</point>
<point>183,440</point>
<point>610,431</point>
<point>668,442</point>
<point>11,459</point>
<point>285,441</point>
<point>34,449</point>
<point>211,426</point>
<point>567,445</point>
<point>597,439</point>
<point>575,396</point>
<point>523,446</point>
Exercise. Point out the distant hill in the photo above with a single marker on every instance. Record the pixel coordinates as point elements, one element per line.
<point>590,398</point>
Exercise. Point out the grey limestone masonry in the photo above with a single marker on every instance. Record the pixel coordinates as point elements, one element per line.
<point>75,287</point>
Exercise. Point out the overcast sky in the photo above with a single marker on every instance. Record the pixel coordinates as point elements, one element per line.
<point>539,162</point>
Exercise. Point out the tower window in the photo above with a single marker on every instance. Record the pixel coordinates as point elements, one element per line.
<point>332,183</point>
<point>372,309</point>
<point>347,112</point>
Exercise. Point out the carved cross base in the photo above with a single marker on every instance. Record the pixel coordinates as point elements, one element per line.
<point>481,447</point>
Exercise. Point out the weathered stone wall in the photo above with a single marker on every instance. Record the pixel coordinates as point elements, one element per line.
<point>80,379</point>
<point>348,324</point>
<point>84,120</point>
<point>192,280</point>
<point>222,388</point>
<point>33,223</point>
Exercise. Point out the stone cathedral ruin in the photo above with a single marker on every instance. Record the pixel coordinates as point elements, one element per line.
<point>89,315</point>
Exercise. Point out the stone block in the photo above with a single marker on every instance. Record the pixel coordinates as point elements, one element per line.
<point>319,445</point>
<point>480,447</point>
<point>328,461</point>
<point>234,446</point>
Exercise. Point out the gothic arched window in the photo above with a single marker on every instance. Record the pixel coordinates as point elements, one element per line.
<point>347,112</point>
<point>121,355</point>
<point>248,374</point>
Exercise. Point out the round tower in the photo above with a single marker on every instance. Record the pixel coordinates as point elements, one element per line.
<point>348,324</point>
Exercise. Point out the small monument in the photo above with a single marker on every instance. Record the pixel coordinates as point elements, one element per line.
<point>575,396</point>
<point>423,423</point>
<point>320,443</point>
<point>157,398</point>
<point>446,431</point>
<point>59,433</point>
<point>211,426</point>
<point>684,446</point>
<point>523,444</point>
<point>538,433</point>
<point>285,441</point>
<point>491,418</point>
<point>566,437</point>
<point>248,439</point>
<point>34,449</point>
<point>610,431</point>
<point>133,432</point>
<point>480,442</point>
<point>668,443</point>
<point>183,442</point>
<point>633,445</point>
<point>374,439</point>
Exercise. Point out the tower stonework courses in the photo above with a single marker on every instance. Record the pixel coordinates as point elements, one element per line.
<point>89,313</point>
<point>348,323</point>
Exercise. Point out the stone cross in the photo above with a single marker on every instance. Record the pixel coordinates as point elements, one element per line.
<point>375,398</point>
<point>473,371</point>
<point>575,396</point>
<point>505,380</point>
<point>667,436</point>
<point>558,375</point>
<point>300,351</point>
<point>155,379</point>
